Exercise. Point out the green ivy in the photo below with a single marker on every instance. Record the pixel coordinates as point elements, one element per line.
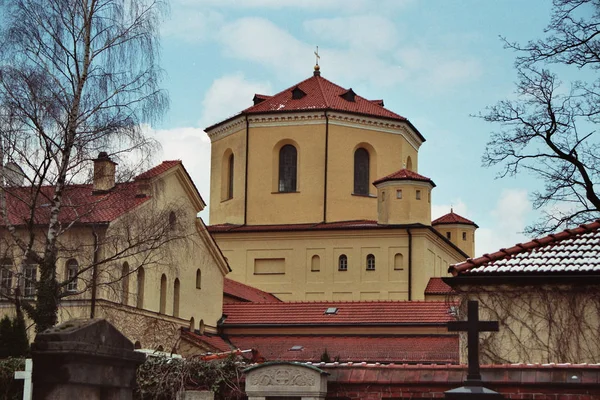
<point>11,389</point>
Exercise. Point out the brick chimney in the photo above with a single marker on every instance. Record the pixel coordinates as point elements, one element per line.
<point>104,173</point>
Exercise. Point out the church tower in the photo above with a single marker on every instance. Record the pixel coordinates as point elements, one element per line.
<point>308,201</point>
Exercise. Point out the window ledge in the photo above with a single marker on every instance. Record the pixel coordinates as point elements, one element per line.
<point>372,196</point>
<point>284,192</point>
<point>226,200</point>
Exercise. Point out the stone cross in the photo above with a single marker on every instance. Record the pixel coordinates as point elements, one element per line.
<point>473,326</point>
<point>26,376</point>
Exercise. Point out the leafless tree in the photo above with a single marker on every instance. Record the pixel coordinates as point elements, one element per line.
<point>76,77</point>
<point>549,129</point>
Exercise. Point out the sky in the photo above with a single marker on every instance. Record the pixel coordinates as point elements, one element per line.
<point>435,62</point>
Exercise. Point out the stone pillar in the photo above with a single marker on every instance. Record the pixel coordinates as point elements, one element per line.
<point>84,359</point>
<point>292,380</point>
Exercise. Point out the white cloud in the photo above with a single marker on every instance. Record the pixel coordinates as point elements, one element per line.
<point>227,96</point>
<point>192,24</point>
<point>309,5</point>
<point>509,218</point>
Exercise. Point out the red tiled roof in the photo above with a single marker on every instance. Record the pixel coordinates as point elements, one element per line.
<point>81,204</point>
<point>404,175</point>
<point>452,218</point>
<point>437,286</point>
<point>573,251</point>
<point>215,342</point>
<point>348,313</point>
<point>247,293</point>
<point>159,169</point>
<point>384,349</point>
<point>319,94</point>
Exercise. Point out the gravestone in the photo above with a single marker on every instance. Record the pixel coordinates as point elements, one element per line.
<point>473,386</point>
<point>285,380</point>
<point>84,359</point>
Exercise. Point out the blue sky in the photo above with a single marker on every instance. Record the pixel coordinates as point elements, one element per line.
<point>435,62</point>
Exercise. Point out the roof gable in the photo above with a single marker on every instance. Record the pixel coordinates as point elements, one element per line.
<point>573,251</point>
<point>247,293</point>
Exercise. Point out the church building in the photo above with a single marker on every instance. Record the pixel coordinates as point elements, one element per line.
<point>316,195</point>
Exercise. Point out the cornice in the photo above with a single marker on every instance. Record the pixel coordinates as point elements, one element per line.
<point>227,129</point>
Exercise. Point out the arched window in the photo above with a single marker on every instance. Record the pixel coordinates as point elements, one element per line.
<point>201,327</point>
<point>398,261</point>
<point>192,324</point>
<point>6,274</point>
<point>370,262</point>
<point>361,171</point>
<point>176,298</point>
<point>288,157</point>
<point>163,294</point>
<point>409,163</point>
<point>125,283</point>
<point>315,263</point>
<point>198,279</point>
<point>141,277</point>
<point>230,164</point>
<point>172,220</point>
<point>72,270</point>
<point>343,263</point>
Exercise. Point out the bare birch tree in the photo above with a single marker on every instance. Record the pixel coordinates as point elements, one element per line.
<point>76,77</point>
<point>550,129</point>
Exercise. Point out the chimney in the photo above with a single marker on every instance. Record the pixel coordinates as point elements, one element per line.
<point>104,173</point>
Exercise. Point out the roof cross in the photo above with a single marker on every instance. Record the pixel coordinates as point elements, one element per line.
<point>317,54</point>
<point>473,326</point>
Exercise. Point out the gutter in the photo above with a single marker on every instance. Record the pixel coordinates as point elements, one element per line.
<point>94,275</point>
<point>522,279</point>
<point>246,171</point>
<point>326,163</point>
<point>409,263</point>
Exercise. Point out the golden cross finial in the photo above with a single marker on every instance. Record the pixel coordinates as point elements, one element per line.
<point>317,54</point>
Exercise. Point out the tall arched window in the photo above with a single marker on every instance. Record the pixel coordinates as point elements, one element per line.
<point>230,164</point>
<point>409,163</point>
<point>361,171</point>
<point>288,157</point>
<point>141,277</point>
<point>72,268</point>
<point>398,261</point>
<point>370,262</point>
<point>125,283</point>
<point>163,294</point>
<point>343,263</point>
<point>176,298</point>
<point>198,279</point>
<point>315,263</point>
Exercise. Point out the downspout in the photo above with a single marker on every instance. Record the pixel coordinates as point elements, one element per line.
<point>326,162</point>
<point>94,274</point>
<point>409,264</point>
<point>246,172</point>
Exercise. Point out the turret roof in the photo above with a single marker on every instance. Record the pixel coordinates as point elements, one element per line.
<point>404,175</point>
<point>453,218</point>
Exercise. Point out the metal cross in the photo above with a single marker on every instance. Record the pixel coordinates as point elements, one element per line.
<point>473,326</point>
<point>317,54</point>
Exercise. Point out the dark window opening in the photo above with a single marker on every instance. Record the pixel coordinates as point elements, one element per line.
<point>297,93</point>
<point>361,171</point>
<point>343,263</point>
<point>288,157</point>
<point>348,95</point>
<point>230,165</point>
<point>370,262</point>
<point>448,235</point>
<point>464,235</point>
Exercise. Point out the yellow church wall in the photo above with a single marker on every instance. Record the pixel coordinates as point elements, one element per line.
<point>413,206</point>
<point>222,209</point>
<point>292,276</point>
<point>266,205</point>
<point>457,233</point>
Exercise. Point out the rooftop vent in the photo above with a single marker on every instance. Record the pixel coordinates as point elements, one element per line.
<point>259,98</point>
<point>296,348</point>
<point>297,93</point>
<point>331,310</point>
<point>348,95</point>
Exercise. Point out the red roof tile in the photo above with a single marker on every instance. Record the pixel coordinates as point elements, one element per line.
<point>318,93</point>
<point>159,169</point>
<point>247,293</point>
<point>404,175</point>
<point>573,251</point>
<point>384,349</point>
<point>452,218</point>
<point>437,286</point>
<point>215,342</point>
<point>348,313</point>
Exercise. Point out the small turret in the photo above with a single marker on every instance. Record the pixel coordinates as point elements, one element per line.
<point>458,230</point>
<point>404,197</point>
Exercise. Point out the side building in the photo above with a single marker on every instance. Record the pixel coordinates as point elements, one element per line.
<point>134,253</point>
<point>316,195</point>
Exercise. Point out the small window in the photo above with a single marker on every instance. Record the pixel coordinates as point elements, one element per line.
<point>125,283</point>
<point>331,310</point>
<point>343,263</point>
<point>399,193</point>
<point>230,166</point>
<point>30,275</point>
<point>172,220</point>
<point>370,262</point>
<point>429,196</point>
<point>382,197</point>
<point>176,286</point>
<point>163,294</point>
<point>418,195</point>
<point>141,278</point>
<point>6,276</point>
<point>198,279</point>
<point>296,348</point>
<point>315,263</point>
<point>448,235</point>
<point>464,235</point>
<point>72,270</point>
